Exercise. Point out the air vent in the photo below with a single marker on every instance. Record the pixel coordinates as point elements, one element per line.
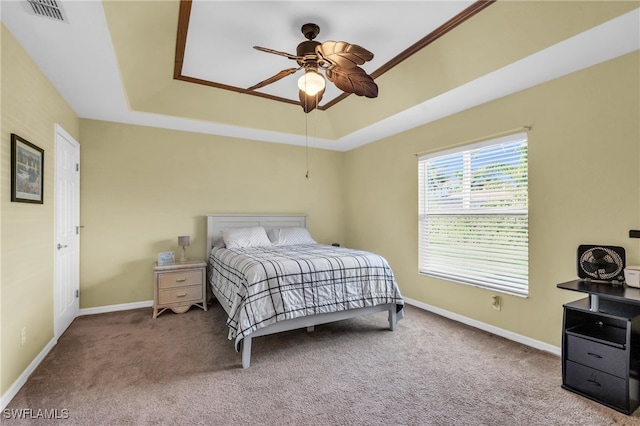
<point>51,9</point>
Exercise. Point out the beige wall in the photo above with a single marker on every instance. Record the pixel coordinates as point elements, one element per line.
<point>30,108</point>
<point>142,187</point>
<point>584,152</point>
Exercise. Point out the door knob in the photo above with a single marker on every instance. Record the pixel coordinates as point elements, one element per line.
<point>61,246</point>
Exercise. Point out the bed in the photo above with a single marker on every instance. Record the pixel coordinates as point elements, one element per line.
<point>268,288</point>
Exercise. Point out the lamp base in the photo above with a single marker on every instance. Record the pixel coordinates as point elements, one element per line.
<point>184,254</point>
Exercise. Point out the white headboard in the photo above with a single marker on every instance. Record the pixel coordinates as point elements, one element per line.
<point>217,222</point>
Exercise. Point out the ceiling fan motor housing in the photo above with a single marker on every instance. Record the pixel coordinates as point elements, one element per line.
<point>307,50</point>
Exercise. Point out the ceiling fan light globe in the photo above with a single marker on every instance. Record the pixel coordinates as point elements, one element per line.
<point>311,82</point>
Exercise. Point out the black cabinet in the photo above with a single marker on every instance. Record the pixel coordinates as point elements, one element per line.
<point>601,348</point>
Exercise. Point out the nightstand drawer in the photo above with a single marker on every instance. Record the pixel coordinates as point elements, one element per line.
<point>605,387</point>
<point>179,279</point>
<point>597,355</point>
<point>180,294</point>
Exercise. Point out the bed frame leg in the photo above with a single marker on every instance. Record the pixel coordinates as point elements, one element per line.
<point>246,352</point>
<point>392,318</point>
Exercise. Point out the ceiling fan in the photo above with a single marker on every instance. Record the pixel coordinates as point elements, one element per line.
<point>338,59</point>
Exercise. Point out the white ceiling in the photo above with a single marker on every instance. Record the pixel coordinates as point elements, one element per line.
<point>221,36</point>
<point>78,57</point>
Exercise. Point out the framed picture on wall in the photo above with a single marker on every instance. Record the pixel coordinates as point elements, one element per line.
<point>27,171</point>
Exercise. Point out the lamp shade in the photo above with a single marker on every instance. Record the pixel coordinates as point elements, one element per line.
<point>311,82</point>
<point>183,240</point>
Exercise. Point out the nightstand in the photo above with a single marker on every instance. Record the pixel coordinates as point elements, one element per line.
<point>601,344</point>
<point>178,286</point>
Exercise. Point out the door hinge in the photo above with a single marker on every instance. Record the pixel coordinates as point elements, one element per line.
<point>77,293</point>
<point>77,167</point>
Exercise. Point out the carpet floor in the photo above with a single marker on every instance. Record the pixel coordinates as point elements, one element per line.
<point>125,368</point>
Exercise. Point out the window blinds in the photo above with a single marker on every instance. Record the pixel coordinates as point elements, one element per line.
<point>473,214</point>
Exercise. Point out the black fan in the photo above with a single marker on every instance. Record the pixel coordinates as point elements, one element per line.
<point>604,263</point>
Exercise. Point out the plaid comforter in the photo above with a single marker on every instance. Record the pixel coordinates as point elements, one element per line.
<point>264,285</point>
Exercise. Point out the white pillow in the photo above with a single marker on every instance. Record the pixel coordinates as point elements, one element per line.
<point>218,243</point>
<point>245,237</point>
<point>290,236</point>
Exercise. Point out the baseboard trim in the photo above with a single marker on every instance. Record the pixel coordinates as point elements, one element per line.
<point>22,379</point>
<point>537,344</point>
<point>115,308</point>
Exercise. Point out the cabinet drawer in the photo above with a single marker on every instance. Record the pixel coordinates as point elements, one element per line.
<point>597,355</point>
<point>602,386</point>
<point>180,294</point>
<point>179,278</point>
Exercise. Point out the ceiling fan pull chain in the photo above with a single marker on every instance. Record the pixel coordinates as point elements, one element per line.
<point>306,138</point>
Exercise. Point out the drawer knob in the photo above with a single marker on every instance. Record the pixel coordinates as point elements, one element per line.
<point>180,280</point>
<point>593,382</point>
<point>594,355</point>
<point>181,295</point>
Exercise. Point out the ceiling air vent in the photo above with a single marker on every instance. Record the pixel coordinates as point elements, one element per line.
<point>51,9</point>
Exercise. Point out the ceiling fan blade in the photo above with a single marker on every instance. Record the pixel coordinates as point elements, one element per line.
<point>276,52</point>
<point>343,54</point>
<point>310,102</point>
<point>273,79</point>
<point>353,80</point>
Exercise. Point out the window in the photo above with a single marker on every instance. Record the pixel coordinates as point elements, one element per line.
<point>473,214</point>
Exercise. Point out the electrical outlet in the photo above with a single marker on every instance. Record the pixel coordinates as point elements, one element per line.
<point>23,336</point>
<point>496,303</point>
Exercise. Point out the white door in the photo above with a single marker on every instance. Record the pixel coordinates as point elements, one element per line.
<point>67,230</point>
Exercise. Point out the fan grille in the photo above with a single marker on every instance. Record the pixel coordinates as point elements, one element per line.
<point>601,263</point>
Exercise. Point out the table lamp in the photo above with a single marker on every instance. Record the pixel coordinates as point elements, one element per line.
<point>183,241</point>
